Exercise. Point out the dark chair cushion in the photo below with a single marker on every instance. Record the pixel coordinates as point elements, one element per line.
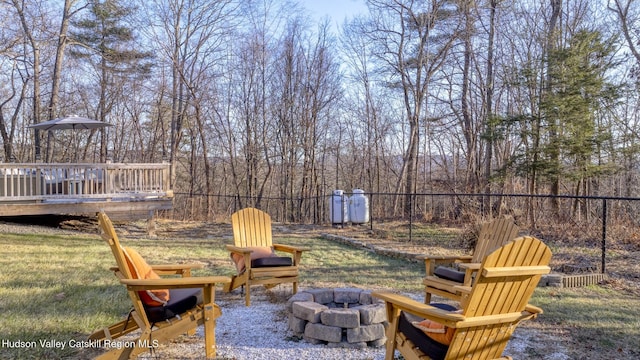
<point>181,301</point>
<point>271,261</point>
<point>257,252</point>
<point>430,347</point>
<point>449,274</point>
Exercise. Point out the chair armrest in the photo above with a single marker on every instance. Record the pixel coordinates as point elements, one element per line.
<point>293,250</point>
<point>445,258</point>
<point>175,269</point>
<point>420,309</point>
<point>238,250</point>
<point>395,302</point>
<point>169,269</point>
<point>532,309</point>
<point>174,283</point>
<point>430,262</point>
<point>470,266</point>
<point>515,270</point>
<point>289,249</point>
<point>462,289</point>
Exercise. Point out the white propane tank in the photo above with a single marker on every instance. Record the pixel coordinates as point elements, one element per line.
<point>339,207</point>
<point>359,207</point>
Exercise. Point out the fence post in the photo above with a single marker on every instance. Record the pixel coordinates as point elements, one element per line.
<point>371,211</point>
<point>411,212</point>
<point>604,234</point>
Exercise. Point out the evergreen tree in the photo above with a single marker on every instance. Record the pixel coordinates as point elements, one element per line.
<point>570,110</point>
<point>104,38</point>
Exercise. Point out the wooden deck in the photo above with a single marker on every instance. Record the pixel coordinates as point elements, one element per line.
<point>84,189</point>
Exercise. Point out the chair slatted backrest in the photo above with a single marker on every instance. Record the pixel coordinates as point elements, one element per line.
<point>492,235</point>
<point>251,227</point>
<point>504,286</point>
<point>109,235</point>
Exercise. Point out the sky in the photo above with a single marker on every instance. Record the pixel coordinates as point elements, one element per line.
<point>337,10</point>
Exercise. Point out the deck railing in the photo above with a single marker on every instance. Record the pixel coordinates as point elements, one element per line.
<point>39,181</point>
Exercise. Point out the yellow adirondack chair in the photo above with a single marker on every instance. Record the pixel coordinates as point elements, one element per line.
<point>190,302</point>
<point>255,257</point>
<point>496,303</point>
<point>441,279</point>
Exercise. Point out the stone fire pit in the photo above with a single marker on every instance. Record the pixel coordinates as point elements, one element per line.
<point>341,317</point>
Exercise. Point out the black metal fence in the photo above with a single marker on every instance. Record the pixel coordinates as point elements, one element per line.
<point>602,225</point>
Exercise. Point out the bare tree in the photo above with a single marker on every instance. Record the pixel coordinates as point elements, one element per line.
<point>27,28</point>
<point>489,110</point>
<point>628,14</point>
<point>365,106</point>
<point>191,36</point>
<point>67,14</point>
<point>410,52</point>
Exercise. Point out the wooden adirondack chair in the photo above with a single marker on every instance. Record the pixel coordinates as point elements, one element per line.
<point>441,279</point>
<point>253,252</point>
<point>497,302</point>
<point>190,302</point>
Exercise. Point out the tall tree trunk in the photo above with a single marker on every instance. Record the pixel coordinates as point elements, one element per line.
<point>488,121</point>
<point>176,99</point>
<point>35,46</point>
<point>468,126</point>
<point>57,69</point>
<point>411,161</point>
<point>553,121</point>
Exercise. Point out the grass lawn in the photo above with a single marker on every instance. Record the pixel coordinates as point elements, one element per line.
<point>55,290</point>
